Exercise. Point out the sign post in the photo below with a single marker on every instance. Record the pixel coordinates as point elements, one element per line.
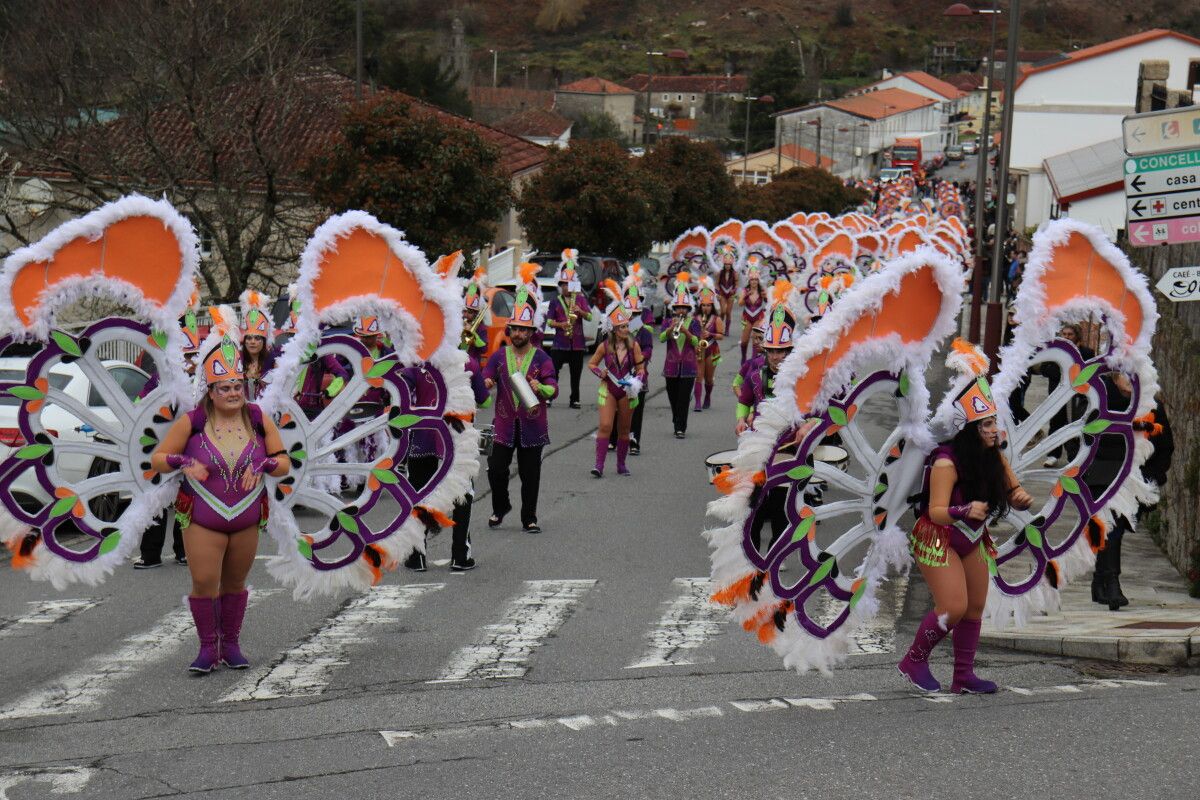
<point>1180,284</point>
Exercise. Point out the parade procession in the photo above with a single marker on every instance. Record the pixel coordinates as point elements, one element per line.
<point>531,426</point>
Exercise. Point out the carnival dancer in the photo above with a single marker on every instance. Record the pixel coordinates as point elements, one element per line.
<point>753,300</point>
<point>967,481</point>
<point>224,447</point>
<point>727,288</point>
<point>258,357</point>
<point>712,331</point>
<point>641,320</point>
<point>681,332</point>
<point>524,379</point>
<point>618,364</point>
<point>566,315</point>
<point>759,385</point>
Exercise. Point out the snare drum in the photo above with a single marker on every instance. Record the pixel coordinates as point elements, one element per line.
<point>487,436</point>
<point>832,455</point>
<point>719,462</point>
<point>362,412</point>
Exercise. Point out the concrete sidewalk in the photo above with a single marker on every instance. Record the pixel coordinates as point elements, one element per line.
<point>1161,624</point>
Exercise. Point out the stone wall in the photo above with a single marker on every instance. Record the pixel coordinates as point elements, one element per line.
<point>1175,524</point>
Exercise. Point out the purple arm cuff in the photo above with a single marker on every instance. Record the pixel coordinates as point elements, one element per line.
<point>959,512</point>
<point>266,465</point>
<point>178,461</point>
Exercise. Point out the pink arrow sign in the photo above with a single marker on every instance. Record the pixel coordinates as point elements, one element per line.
<point>1149,233</point>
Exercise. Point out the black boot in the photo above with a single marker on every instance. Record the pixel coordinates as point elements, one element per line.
<point>1112,584</point>
<point>1099,578</point>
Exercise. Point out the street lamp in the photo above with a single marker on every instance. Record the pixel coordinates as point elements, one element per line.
<point>817,122</point>
<point>766,99</point>
<point>963,10</point>
<point>358,58</point>
<point>495,59</point>
<point>679,55</point>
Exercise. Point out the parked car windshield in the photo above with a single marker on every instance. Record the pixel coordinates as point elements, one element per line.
<point>57,381</point>
<point>130,380</point>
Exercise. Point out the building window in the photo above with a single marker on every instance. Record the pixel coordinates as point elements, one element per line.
<point>693,98</point>
<point>678,98</point>
<point>666,98</point>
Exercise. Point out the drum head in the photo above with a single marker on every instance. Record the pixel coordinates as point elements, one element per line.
<point>830,454</point>
<point>721,458</point>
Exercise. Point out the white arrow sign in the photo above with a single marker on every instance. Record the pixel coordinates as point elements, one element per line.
<point>1163,206</point>
<point>1180,284</point>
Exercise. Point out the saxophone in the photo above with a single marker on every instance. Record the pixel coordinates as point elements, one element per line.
<point>572,315</point>
<point>469,333</point>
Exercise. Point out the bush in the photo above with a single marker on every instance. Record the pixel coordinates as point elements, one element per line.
<point>699,189</point>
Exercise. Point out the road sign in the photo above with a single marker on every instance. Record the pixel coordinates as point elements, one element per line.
<point>1160,131</point>
<point>1163,206</point>
<point>1148,233</point>
<point>1167,172</point>
<point>1180,284</point>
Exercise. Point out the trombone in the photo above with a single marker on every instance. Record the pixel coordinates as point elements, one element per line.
<point>469,333</point>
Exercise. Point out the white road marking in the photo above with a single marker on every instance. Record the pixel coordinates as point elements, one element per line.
<point>46,612</point>
<point>619,717</point>
<point>504,648</point>
<point>62,780</point>
<point>879,635</point>
<point>100,675</point>
<point>308,668</point>
<point>690,620</point>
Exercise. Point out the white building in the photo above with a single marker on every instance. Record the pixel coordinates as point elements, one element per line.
<point>949,99</point>
<point>1076,102</point>
<point>855,131</point>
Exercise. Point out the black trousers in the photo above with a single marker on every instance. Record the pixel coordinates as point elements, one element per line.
<point>574,360</point>
<point>679,392</point>
<point>420,470</point>
<point>773,510</point>
<point>529,470</point>
<point>156,535</point>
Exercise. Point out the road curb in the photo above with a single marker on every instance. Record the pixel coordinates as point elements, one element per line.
<point>1171,651</point>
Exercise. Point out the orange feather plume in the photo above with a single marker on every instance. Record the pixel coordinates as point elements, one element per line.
<point>970,356</point>
<point>683,277</point>
<point>737,591</point>
<point>528,272</point>
<point>612,287</point>
<point>780,290</point>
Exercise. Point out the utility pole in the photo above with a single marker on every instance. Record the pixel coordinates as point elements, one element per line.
<point>495,60</point>
<point>358,57</point>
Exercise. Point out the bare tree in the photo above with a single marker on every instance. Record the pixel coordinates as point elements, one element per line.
<point>208,102</point>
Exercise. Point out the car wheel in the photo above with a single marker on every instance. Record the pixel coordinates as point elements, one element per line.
<point>106,507</point>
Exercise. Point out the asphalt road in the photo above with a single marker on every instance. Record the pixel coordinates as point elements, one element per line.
<point>579,663</point>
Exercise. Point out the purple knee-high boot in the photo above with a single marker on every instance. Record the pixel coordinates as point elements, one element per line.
<point>697,388</point>
<point>204,614</point>
<point>966,640</point>
<point>232,610</point>
<point>601,455</point>
<point>622,451</point>
<point>915,664</point>
<point>708,387</point>
<point>743,349</point>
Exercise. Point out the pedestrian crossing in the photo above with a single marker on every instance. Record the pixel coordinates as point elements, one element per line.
<point>681,631</point>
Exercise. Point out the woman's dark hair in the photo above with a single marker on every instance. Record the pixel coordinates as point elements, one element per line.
<point>980,470</point>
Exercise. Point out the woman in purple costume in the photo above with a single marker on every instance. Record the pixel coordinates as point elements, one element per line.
<point>712,331</point>
<point>618,364</point>
<point>727,286</point>
<point>223,448</point>
<point>966,481</point>
<point>754,305</point>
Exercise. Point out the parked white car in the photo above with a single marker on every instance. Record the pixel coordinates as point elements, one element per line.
<point>591,328</point>
<point>71,380</point>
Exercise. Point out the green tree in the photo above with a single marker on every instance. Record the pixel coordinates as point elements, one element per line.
<point>595,125</point>
<point>797,189</point>
<point>439,183</point>
<point>425,77</point>
<point>699,189</point>
<point>779,76</point>
<point>593,198</point>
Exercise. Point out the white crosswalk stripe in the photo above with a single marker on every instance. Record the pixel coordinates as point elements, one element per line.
<point>690,620</point>
<point>45,612</point>
<point>100,675</point>
<point>308,668</point>
<point>503,650</point>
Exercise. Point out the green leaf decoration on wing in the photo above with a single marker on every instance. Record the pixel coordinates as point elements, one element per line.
<point>380,368</point>
<point>1085,375</point>
<point>146,441</point>
<point>859,591</point>
<point>159,339</point>
<point>800,473</point>
<point>298,455</point>
<point>63,505</point>
<point>1069,484</point>
<point>305,548</point>
<point>385,476</point>
<point>822,572</point>
<point>1033,535</point>
<point>66,343</point>
<point>404,421</point>
<point>32,451</point>
<point>803,528</point>
<point>347,522</point>
<point>838,416</point>
<point>110,542</point>
<point>26,392</point>
<point>1096,426</point>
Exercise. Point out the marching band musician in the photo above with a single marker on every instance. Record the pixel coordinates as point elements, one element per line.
<point>566,316</point>
<point>474,304</point>
<point>682,334</point>
<point>759,385</point>
<point>525,381</point>
<point>712,331</point>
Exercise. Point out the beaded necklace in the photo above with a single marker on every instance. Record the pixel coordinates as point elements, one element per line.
<point>229,473</point>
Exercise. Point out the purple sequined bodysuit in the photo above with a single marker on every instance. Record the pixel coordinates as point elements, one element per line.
<point>219,503</point>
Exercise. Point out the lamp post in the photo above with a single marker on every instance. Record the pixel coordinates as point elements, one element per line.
<point>766,98</point>
<point>976,322</point>
<point>358,58</point>
<point>817,122</point>
<point>495,59</point>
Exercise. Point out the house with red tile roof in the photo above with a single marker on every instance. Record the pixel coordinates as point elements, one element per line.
<point>706,101</point>
<point>598,96</point>
<point>763,166</point>
<point>490,104</point>
<point>857,131</point>
<point>948,97</point>
<point>1073,102</point>
<point>540,126</point>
